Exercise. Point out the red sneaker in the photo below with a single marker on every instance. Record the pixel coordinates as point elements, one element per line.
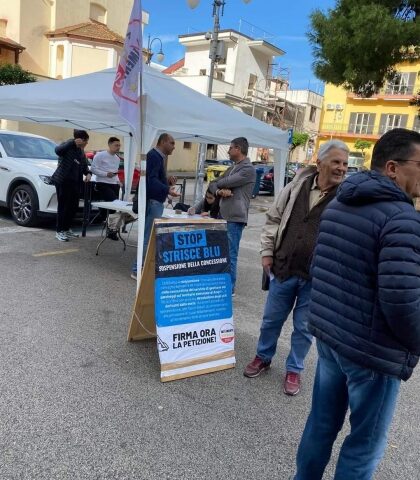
<point>254,368</point>
<point>291,383</point>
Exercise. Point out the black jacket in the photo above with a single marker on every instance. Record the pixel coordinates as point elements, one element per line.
<point>72,163</point>
<point>365,298</point>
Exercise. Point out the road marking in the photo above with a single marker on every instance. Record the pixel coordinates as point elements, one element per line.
<point>56,252</point>
<point>18,230</point>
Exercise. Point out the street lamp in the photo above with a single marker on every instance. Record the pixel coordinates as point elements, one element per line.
<point>218,9</point>
<point>159,56</point>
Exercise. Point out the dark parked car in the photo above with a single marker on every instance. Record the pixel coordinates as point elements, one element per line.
<point>267,178</point>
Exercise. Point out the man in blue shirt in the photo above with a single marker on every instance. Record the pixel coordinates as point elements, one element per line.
<point>158,186</point>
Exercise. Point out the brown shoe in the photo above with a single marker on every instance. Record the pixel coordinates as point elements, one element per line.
<point>254,368</point>
<point>291,383</point>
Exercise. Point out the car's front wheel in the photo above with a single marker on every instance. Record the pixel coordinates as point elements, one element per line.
<point>24,206</point>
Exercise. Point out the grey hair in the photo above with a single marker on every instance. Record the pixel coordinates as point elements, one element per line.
<point>327,146</point>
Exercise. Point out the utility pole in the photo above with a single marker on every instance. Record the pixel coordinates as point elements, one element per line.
<point>218,8</point>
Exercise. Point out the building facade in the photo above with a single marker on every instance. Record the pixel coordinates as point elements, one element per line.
<point>60,39</point>
<point>244,79</point>
<point>349,117</point>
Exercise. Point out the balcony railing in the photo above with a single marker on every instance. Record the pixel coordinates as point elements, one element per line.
<point>389,91</point>
<point>353,129</point>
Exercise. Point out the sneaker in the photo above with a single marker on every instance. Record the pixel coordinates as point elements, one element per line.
<point>254,368</point>
<point>291,383</point>
<point>70,234</point>
<point>112,234</point>
<point>233,293</point>
<point>134,276</point>
<point>61,236</point>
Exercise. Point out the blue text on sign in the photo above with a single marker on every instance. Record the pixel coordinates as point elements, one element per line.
<point>196,238</point>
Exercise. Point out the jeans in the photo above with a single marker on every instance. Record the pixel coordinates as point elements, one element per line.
<point>154,209</point>
<point>371,396</point>
<point>234,231</point>
<point>280,300</point>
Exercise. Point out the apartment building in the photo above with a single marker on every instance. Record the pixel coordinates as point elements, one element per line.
<point>60,39</point>
<point>349,117</point>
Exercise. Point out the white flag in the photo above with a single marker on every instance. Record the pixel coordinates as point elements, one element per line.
<point>125,89</point>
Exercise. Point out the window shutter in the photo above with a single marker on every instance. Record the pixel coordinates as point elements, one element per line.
<point>352,123</point>
<point>416,124</point>
<point>382,123</point>
<point>403,122</point>
<point>371,123</point>
<point>411,81</point>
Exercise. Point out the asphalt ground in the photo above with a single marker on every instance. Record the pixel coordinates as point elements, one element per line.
<point>78,401</point>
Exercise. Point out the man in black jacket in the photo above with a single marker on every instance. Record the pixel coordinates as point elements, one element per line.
<point>72,165</point>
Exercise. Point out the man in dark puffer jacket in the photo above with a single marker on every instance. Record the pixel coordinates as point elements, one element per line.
<point>364,309</point>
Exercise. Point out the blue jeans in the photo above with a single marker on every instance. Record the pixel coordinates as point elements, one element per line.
<point>281,298</point>
<point>371,396</point>
<point>154,209</point>
<point>234,231</point>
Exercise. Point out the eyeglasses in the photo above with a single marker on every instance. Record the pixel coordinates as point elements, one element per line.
<point>405,160</point>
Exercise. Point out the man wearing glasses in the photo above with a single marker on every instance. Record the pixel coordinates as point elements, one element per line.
<point>234,188</point>
<point>364,310</point>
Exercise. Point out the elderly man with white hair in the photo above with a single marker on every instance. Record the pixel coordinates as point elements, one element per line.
<point>287,244</point>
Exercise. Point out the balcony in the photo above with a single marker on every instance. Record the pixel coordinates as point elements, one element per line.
<point>199,83</point>
<point>350,130</point>
<point>392,92</point>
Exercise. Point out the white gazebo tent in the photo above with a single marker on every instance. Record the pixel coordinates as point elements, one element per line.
<point>86,102</point>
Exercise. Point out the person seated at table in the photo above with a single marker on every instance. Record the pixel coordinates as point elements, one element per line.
<point>207,207</point>
<point>105,166</point>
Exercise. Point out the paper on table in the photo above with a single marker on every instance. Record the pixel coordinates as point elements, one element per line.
<point>121,203</point>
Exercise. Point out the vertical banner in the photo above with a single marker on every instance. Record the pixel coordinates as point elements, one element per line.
<point>126,85</point>
<point>193,301</point>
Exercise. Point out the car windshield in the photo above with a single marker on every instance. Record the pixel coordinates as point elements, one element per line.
<point>20,146</point>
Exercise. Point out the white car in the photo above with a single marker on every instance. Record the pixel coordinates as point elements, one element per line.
<point>26,164</point>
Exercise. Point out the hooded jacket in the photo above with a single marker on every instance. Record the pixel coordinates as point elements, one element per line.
<point>365,299</point>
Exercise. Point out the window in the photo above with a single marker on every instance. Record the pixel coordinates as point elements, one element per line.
<point>20,146</point>
<point>390,121</point>
<point>203,72</point>
<point>219,75</point>
<point>98,13</point>
<point>401,84</point>
<point>187,145</point>
<point>416,124</point>
<point>361,123</point>
<point>252,81</point>
<point>312,114</point>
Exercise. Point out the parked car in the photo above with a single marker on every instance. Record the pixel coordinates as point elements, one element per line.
<point>26,164</point>
<point>267,178</point>
<point>121,176</point>
<point>215,168</point>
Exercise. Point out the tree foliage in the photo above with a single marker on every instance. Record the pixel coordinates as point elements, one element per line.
<point>299,139</point>
<point>357,43</point>
<point>416,101</point>
<point>11,74</point>
<point>362,145</point>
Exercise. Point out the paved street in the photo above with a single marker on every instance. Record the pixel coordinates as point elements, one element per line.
<point>79,402</point>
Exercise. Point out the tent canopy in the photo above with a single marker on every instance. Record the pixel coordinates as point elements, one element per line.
<point>86,102</point>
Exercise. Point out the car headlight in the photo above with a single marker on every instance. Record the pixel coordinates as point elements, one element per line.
<point>46,179</point>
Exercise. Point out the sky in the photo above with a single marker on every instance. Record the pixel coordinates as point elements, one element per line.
<point>285,24</point>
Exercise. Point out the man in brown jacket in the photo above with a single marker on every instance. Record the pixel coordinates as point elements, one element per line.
<point>287,243</point>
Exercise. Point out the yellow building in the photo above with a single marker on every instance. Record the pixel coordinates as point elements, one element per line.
<point>348,117</point>
<point>60,39</point>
